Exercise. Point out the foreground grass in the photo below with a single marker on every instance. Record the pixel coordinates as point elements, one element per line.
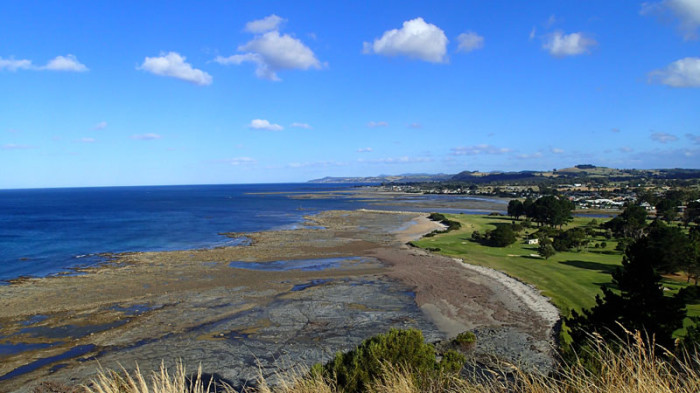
<point>571,279</point>
<point>634,369</point>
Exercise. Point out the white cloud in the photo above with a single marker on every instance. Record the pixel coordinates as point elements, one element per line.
<point>301,125</point>
<point>263,25</point>
<point>260,124</point>
<point>14,65</point>
<point>686,11</point>
<point>375,124</point>
<point>87,140</point>
<point>14,146</point>
<point>396,160</point>
<point>65,63</point>
<point>271,53</point>
<point>469,41</point>
<point>530,156</point>
<point>663,137</point>
<point>557,150</point>
<point>533,33</point>
<point>237,161</point>
<point>479,149</point>
<point>416,39</point>
<point>626,149</point>
<point>100,126</point>
<point>693,138</point>
<point>560,45</point>
<point>415,125</point>
<point>146,137</point>
<point>59,63</point>
<point>364,150</point>
<point>173,65</point>
<point>680,73</point>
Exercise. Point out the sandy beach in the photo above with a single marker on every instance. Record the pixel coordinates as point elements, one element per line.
<point>290,298</point>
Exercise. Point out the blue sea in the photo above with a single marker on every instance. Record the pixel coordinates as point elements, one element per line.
<point>49,231</point>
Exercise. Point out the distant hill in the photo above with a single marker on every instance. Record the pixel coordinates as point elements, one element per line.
<point>405,178</point>
<point>583,172</point>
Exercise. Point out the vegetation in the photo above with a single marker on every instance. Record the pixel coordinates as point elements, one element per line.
<point>635,368</point>
<point>465,340</point>
<point>355,371</point>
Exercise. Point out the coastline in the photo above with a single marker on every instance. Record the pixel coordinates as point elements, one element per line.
<point>193,304</point>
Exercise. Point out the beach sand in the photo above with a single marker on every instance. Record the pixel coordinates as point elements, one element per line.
<point>191,305</point>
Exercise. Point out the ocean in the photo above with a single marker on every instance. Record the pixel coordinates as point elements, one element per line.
<point>49,231</point>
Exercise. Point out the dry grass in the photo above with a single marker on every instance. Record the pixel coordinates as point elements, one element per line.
<point>636,368</point>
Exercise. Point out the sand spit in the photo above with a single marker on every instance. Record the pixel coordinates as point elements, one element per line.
<point>351,277</point>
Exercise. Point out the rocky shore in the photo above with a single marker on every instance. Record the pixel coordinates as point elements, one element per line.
<point>288,299</point>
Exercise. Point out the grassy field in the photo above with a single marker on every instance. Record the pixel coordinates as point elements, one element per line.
<point>571,279</point>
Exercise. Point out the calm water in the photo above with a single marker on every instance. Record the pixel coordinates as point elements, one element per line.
<point>46,231</point>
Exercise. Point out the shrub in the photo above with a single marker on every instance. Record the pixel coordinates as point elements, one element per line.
<point>354,371</point>
<point>465,340</point>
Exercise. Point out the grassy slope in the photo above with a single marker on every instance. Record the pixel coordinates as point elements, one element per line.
<point>570,279</point>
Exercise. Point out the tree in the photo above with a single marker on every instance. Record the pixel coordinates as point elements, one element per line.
<point>516,208</point>
<point>551,210</point>
<point>546,250</point>
<point>502,236</point>
<point>666,209</point>
<point>669,248</point>
<point>640,304</point>
<point>692,213</point>
<point>630,223</point>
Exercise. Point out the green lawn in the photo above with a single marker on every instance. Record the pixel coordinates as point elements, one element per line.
<point>570,279</point>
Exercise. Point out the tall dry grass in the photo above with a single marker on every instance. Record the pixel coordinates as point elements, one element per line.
<point>633,368</point>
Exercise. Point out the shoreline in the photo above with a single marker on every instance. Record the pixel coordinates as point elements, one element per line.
<point>190,303</point>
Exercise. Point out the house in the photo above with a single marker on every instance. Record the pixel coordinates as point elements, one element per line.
<point>533,241</point>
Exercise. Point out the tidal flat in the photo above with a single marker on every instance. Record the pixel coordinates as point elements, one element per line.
<point>341,277</point>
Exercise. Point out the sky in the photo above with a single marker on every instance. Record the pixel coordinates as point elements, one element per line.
<point>119,93</point>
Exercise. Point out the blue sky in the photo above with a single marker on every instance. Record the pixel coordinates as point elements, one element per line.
<point>161,92</point>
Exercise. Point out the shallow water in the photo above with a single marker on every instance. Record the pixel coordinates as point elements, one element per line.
<point>296,264</point>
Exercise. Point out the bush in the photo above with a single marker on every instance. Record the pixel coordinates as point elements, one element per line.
<point>465,340</point>
<point>502,236</point>
<point>354,371</point>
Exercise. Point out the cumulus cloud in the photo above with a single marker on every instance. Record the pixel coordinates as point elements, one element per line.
<point>146,137</point>
<point>559,44</point>
<point>14,146</point>
<point>265,24</point>
<point>416,39</point>
<point>301,125</point>
<point>375,124</point>
<point>364,150</point>
<point>557,150</point>
<point>65,63</point>
<point>173,65</point>
<point>478,149</point>
<point>680,73</point>
<point>693,138</point>
<point>13,65</point>
<point>100,126</point>
<point>469,41</point>
<point>686,11</point>
<point>663,137</point>
<point>272,52</point>
<point>261,124</point>
<point>59,63</point>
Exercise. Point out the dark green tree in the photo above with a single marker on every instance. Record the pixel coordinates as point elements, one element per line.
<point>639,302</point>
<point>630,223</point>
<point>515,208</point>
<point>546,250</point>
<point>666,209</point>
<point>502,236</point>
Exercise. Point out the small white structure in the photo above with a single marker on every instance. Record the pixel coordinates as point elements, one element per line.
<point>533,241</point>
